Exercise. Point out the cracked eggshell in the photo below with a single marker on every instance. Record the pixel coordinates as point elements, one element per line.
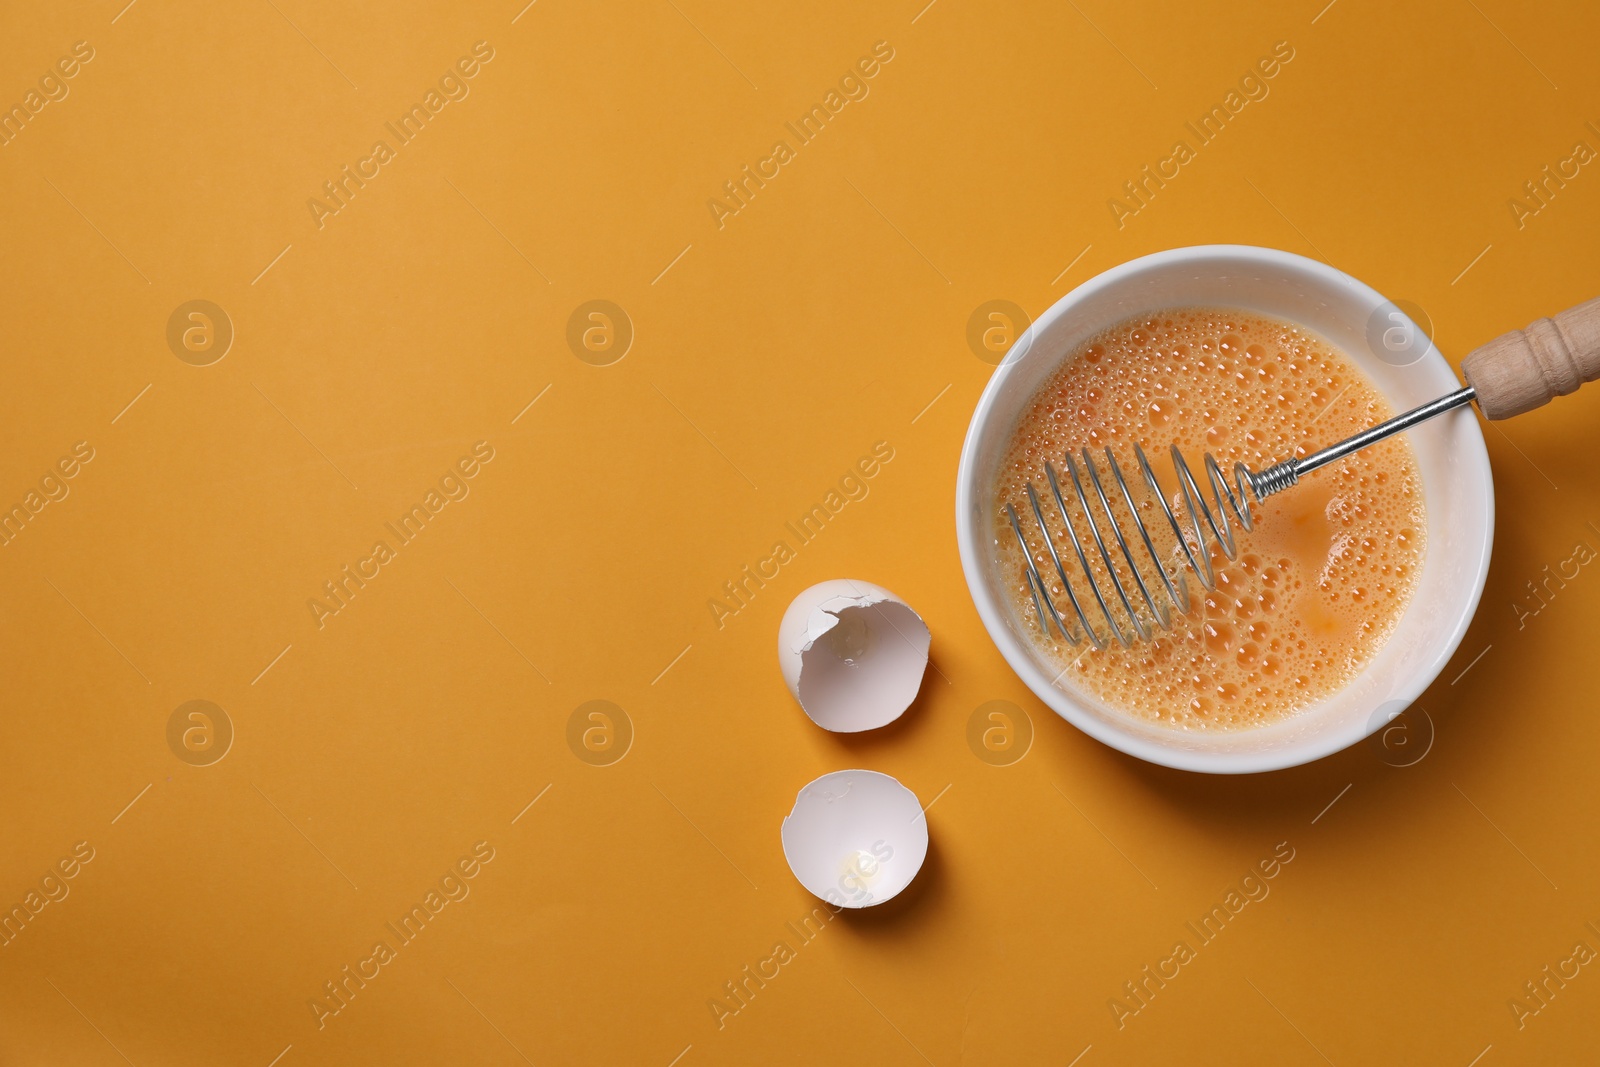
<point>853,654</point>
<point>855,838</point>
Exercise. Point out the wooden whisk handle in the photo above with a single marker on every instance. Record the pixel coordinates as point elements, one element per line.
<point>1525,369</point>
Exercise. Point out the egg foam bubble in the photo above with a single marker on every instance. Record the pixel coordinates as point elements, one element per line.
<point>1316,586</point>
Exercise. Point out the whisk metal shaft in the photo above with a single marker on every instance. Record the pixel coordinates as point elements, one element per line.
<point>1282,475</point>
<point>1143,612</point>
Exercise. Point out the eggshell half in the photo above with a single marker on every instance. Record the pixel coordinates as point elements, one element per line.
<point>855,838</point>
<point>853,654</point>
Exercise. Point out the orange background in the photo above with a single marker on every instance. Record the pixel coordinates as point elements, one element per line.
<point>372,753</point>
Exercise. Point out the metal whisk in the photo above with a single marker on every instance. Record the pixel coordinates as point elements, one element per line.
<point>1516,372</point>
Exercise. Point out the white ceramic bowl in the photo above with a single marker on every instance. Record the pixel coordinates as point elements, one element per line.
<point>1457,490</point>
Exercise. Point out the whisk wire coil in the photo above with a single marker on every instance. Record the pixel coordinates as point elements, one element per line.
<point>1143,611</point>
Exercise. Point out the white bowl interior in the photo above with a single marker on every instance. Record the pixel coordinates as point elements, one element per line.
<point>1458,495</point>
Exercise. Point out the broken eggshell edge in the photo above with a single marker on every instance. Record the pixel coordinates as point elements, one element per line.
<point>845,697</point>
<point>855,838</point>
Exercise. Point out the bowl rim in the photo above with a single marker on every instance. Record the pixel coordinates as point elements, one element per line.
<point>1473,454</point>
